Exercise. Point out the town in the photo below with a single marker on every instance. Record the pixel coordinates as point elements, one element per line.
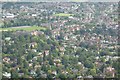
<point>60,40</point>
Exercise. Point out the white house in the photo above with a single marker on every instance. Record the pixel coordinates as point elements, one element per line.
<point>6,74</point>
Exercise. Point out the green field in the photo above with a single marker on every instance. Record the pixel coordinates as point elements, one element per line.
<point>23,28</point>
<point>63,14</point>
<point>77,0</point>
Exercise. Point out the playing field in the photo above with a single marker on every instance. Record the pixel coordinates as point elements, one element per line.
<point>78,0</point>
<point>25,28</point>
<point>63,14</point>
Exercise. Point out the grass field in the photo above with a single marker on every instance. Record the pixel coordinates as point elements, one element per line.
<point>64,14</point>
<point>28,28</point>
<point>78,0</point>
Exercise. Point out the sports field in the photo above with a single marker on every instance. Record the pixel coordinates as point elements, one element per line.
<point>25,28</point>
<point>64,14</point>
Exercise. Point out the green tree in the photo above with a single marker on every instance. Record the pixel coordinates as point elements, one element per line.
<point>29,56</point>
<point>93,72</point>
<point>14,74</point>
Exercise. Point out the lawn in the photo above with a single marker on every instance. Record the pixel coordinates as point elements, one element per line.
<point>78,0</point>
<point>63,14</point>
<point>30,28</point>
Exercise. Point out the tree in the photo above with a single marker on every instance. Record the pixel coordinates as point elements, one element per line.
<point>14,74</point>
<point>65,60</point>
<point>44,68</point>
<point>73,60</point>
<point>78,52</point>
<point>29,56</point>
<point>88,64</point>
<point>25,64</point>
<point>50,59</point>
<point>93,72</point>
<point>62,76</point>
<point>19,61</point>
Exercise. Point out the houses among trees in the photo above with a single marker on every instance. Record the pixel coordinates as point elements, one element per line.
<point>79,40</point>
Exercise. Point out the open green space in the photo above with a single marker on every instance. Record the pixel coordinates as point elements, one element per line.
<point>31,28</point>
<point>76,0</point>
<point>64,14</point>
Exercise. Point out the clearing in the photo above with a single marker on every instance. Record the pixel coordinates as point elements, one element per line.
<point>26,28</point>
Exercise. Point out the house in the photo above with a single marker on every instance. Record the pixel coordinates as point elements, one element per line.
<point>58,65</point>
<point>40,54</point>
<point>56,61</point>
<point>98,64</point>
<point>109,72</point>
<point>36,33</point>
<point>7,38</point>
<point>66,37</point>
<point>6,59</point>
<point>30,64</point>
<point>37,66</point>
<point>34,50</point>
<point>9,15</point>
<point>79,63</point>
<point>7,75</point>
<point>62,53</point>
<point>35,58</point>
<point>54,72</point>
<point>46,52</point>
<point>75,71</point>
<point>64,72</point>
<point>32,72</point>
<point>43,75</point>
<point>21,73</point>
<point>62,49</point>
<point>34,15</point>
<point>80,77</point>
<point>33,44</point>
<point>89,77</point>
